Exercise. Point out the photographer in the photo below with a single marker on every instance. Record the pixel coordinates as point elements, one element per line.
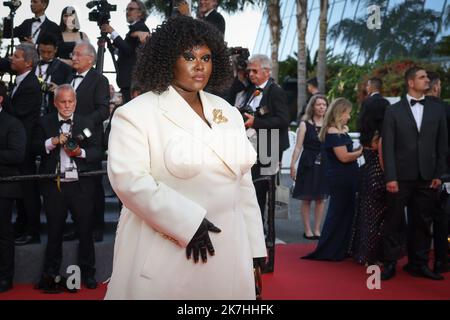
<point>68,192</point>
<point>270,116</point>
<point>136,15</point>
<point>31,29</point>
<point>241,81</point>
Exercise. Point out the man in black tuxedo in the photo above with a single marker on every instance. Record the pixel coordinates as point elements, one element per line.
<point>92,89</point>
<point>12,153</point>
<point>270,119</point>
<point>441,228</point>
<point>32,29</point>
<point>414,153</point>
<point>69,191</point>
<point>50,71</point>
<point>25,105</point>
<point>373,107</point>
<point>136,15</point>
<point>208,12</point>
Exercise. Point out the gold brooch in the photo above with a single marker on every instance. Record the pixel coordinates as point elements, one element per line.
<point>219,117</point>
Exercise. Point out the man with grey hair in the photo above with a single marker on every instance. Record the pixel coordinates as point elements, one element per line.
<point>25,105</point>
<point>268,122</point>
<point>207,11</point>
<point>136,15</point>
<point>92,89</point>
<point>69,191</point>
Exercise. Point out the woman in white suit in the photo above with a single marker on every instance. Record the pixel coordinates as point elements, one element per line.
<point>180,161</point>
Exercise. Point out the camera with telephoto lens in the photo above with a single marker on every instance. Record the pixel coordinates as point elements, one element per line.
<point>12,5</point>
<point>242,55</point>
<point>102,14</point>
<point>73,143</point>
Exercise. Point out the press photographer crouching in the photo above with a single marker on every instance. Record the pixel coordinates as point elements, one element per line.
<point>66,147</point>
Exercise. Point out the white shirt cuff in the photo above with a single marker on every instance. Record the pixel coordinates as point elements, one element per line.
<point>49,146</point>
<point>83,154</point>
<point>114,35</point>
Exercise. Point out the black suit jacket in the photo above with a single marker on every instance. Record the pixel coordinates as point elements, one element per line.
<point>93,97</point>
<point>24,29</point>
<point>12,153</point>
<point>127,54</point>
<point>59,73</point>
<point>446,107</point>
<point>277,117</point>
<point>408,154</point>
<point>217,20</point>
<point>48,127</point>
<point>25,105</point>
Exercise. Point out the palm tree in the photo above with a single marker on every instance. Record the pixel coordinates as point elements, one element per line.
<point>302,23</point>
<point>322,53</point>
<point>395,38</point>
<point>275,25</point>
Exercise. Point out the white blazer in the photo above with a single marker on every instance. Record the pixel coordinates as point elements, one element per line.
<point>171,170</point>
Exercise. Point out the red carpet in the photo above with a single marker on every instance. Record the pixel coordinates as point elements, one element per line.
<point>296,279</point>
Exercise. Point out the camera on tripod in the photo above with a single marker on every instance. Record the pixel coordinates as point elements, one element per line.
<point>12,5</point>
<point>73,144</point>
<point>242,55</point>
<point>102,13</point>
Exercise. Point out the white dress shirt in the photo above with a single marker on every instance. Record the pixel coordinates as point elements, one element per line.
<point>19,79</point>
<point>36,28</point>
<point>77,81</point>
<point>417,110</point>
<point>254,103</point>
<point>65,160</point>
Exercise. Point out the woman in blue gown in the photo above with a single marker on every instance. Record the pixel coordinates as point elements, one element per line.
<point>341,172</point>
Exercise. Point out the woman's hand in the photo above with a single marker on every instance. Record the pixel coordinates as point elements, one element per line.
<point>201,242</point>
<point>293,172</point>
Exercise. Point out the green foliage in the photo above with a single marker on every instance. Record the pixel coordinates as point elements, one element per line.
<point>443,47</point>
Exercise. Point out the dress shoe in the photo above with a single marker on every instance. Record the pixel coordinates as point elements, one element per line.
<point>5,285</point>
<point>441,267</point>
<point>388,271</point>
<point>89,282</point>
<point>316,237</point>
<point>70,235</point>
<point>27,239</point>
<point>423,272</point>
<point>98,235</point>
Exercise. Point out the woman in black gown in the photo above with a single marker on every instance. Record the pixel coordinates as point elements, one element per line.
<point>366,244</point>
<point>309,176</point>
<point>341,172</point>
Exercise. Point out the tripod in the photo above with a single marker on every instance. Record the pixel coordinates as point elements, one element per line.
<point>102,41</point>
<point>10,48</point>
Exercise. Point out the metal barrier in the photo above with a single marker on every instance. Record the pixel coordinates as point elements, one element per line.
<point>48,176</point>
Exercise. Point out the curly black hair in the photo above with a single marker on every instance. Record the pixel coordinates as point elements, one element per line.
<point>156,59</point>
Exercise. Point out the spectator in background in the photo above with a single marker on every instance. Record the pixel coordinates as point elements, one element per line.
<point>12,152</point>
<point>208,11</point>
<point>440,213</point>
<point>341,172</point>
<point>70,28</point>
<point>309,176</point>
<point>136,15</point>
<point>312,86</point>
<point>26,100</point>
<point>30,30</point>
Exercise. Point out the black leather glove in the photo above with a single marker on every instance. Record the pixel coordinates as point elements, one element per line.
<point>201,242</point>
<point>259,262</point>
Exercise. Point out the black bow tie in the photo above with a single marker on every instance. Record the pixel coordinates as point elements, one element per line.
<point>42,63</point>
<point>35,20</point>
<point>413,102</point>
<point>76,76</point>
<point>68,121</point>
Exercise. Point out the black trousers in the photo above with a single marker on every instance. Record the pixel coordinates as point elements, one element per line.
<point>78,198</point>
<point>6,240</point>
<point>262,188</point>
<point>420,200</point>
<point>29,207</point>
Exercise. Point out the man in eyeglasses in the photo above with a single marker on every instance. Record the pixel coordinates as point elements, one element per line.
<point>136,15</point>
